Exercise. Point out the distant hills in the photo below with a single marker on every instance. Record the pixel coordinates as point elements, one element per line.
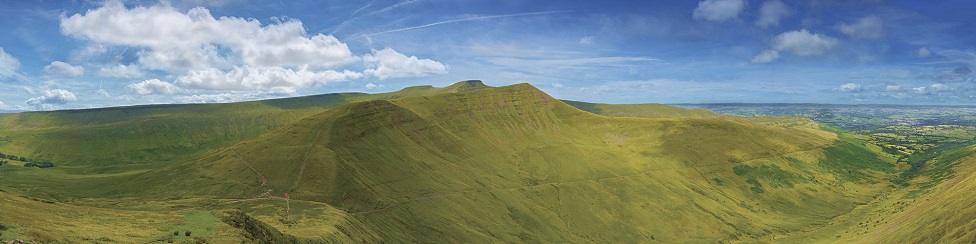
<point>466,163</point>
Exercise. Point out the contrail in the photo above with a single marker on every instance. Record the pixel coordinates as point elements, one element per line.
<point>475,18</point>
<point>364,7</point>
<point>355,14</point>
<point>392,7</point>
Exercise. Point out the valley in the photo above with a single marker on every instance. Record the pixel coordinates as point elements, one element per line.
<point>470,163</point>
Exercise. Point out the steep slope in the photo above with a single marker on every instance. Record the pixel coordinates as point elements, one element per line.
<point>512,164</point>
<point>459,164</point>
<point>937,207</point>
<point>149,134</point>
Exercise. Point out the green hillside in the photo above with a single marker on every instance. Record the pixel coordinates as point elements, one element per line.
<point>151,134</point>
<point>465,163</point>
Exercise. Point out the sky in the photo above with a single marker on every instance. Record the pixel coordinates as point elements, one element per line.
<point>86,54</point>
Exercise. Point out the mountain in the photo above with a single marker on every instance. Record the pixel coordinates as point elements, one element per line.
<point>459,164</point>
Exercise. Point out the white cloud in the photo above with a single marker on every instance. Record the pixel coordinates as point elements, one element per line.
<point>103,92</point>
<point>718,10</point>
<point>62,69</point>
<point>771,12</point>
<point>8,64</point>
<point>195,39</point>
<point>90,51</point>
<point>586,40</point>
<point>210,98</point>
<point>892,88</point>
<point>121,71</point>
<point>803,43</point>
<point>766,56</point>
<point>388,63</point>
<point>868,27</point>
<point>798,42</point>
<point>231,53</point>
<point>932,89</point>
<point>371,86</point>
<point>153,86</point>
<point>850,87</point>
<point>224,97</point>
<point>923,52</point>
<point>939,87</point>
<point>53,97</point>
<point>175,39</point>
<point>269,79</point>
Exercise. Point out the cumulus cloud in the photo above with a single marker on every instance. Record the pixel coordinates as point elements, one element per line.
<point>153,86</point>
<point>388,63</point>
<point>849,87</point>
<point>868,27</point>
<point>175,39</point>
<point>371,86</point>
<point>8,64</point>
<point>270,79</point>
<point>771,12</point>
<point>121,71</point>
<point>53,97</point>
<point>766,56</point>
<point>62,69</point>
<point>204,52</point>
<point>803,43</point>
<point>799,42</point>
<point>718,10</point>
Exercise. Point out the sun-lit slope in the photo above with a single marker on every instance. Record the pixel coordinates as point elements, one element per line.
<point>513,164</point>
<point>155,133</point>
<point>463,163</point>
<point>148,134</point>
<point>42,221</point>
<point>944,213</point>
<point>647,110</point>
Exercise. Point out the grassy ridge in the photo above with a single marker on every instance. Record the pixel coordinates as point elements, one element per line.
<point>512,164</point>
<point>641,110</point>
<point>148,134</point>
<point>464,163</point>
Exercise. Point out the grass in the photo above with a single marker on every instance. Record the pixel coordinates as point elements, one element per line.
<point>193,226</point>
<point>772,174</point>
<point>848,160</point>
<point>459,164</point>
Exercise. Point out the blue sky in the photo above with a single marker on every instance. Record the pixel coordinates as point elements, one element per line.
<point>82,54</point>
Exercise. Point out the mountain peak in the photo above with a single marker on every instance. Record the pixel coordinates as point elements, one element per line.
<point>467,85</point>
